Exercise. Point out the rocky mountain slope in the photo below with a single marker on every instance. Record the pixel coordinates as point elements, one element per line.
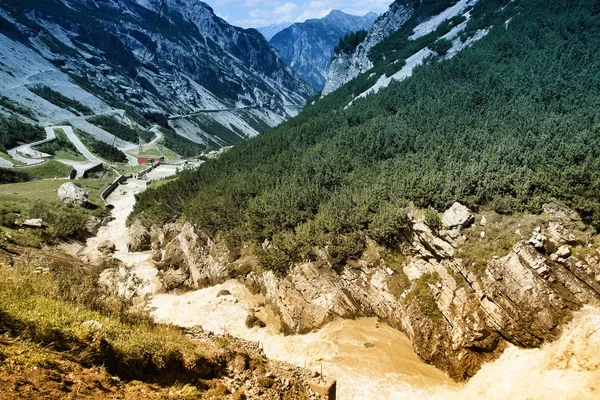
<point>344,67</point>
<point>308,46</point>
<point>196,61</point>
<point>271,30</point>
<point>415,30</point>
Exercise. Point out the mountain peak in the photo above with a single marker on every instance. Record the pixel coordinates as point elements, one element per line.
<point>308,46</point>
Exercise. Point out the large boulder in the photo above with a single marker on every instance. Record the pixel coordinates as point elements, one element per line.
<point>140,239</point>
<point>69,193</point>
<point>457,216</point>
<point>106,246</point>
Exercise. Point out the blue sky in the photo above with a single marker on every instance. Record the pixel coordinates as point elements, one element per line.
<point>257,13</point>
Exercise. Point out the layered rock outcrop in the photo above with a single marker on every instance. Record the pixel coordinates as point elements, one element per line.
<point>456,314</point>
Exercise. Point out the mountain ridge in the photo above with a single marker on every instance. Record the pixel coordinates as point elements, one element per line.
<point>195,61</point>
<point>308,46</point>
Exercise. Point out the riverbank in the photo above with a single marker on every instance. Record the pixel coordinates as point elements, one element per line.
<point>369,359</point>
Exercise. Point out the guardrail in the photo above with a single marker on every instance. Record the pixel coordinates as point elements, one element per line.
<point>111,188</point>
<point>143,172</point>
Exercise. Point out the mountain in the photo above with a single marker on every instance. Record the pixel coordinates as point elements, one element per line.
<point>91,51</point>
<point>338,212</point>
<point>403,38</point>
<point>269,31</point>
<point>308,46</point>
<point>347,66</point>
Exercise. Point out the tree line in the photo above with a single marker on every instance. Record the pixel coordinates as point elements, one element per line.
<point>511,123</point>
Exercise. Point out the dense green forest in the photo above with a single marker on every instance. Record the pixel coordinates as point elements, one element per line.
<point>512,122</point>
<point>14,132</point>
<point>60,100</point>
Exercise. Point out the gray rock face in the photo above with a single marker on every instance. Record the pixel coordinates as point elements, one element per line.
<point>195,61</point>
<point>346,67</point>
<point>457,216</point>
<point>308,47</point>
<point>69,193</point>
<point>460,316</point>
<point>199,261</point>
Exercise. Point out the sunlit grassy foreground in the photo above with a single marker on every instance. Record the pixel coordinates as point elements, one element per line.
<point>55,304</point>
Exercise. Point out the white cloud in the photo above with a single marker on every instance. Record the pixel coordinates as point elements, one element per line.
<point>254,13</point>
<point>288,9</point>
<point>310,14</point>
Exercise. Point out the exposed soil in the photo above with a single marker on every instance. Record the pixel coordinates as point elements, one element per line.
<point>53,376</point>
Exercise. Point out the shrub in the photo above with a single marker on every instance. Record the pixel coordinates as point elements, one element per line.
<point>62,221</point>
<point>12,176</point>
<point>432,219</point>
<point>390,225</point>
<point>345,247</point>
<point>441,46</point>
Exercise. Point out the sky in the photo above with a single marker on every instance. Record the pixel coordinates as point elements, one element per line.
<point>259,13</point>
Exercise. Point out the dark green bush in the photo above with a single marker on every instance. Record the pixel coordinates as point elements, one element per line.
<point>61,221</point>
<point>390,225</point>
<point>432,219</point>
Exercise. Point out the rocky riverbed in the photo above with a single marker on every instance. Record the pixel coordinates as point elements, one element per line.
<point>455,313</point>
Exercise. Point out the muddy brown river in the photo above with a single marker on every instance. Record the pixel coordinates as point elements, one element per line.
<point>369,359</point>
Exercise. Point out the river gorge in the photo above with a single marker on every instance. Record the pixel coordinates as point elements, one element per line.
<point>368,358</point>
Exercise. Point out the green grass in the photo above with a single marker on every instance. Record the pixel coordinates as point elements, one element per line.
<point>48,170</point>
<point>67,155</point>
<point>39,199</point>
<point>51,308</point>
<point>101,149</point>
<point>150,151</point>
<point>10,159</point>
<point>502,232</point>
<point>156,151</point>
<point>61,148</point>
<point>124,169</point>
<point>170,155</point>
<point>24,194</point>
<point>161,182</point>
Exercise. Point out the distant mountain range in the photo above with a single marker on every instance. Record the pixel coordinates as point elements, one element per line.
<point>308,47</point>
<point>91,51</point>
<point>269,31</point>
